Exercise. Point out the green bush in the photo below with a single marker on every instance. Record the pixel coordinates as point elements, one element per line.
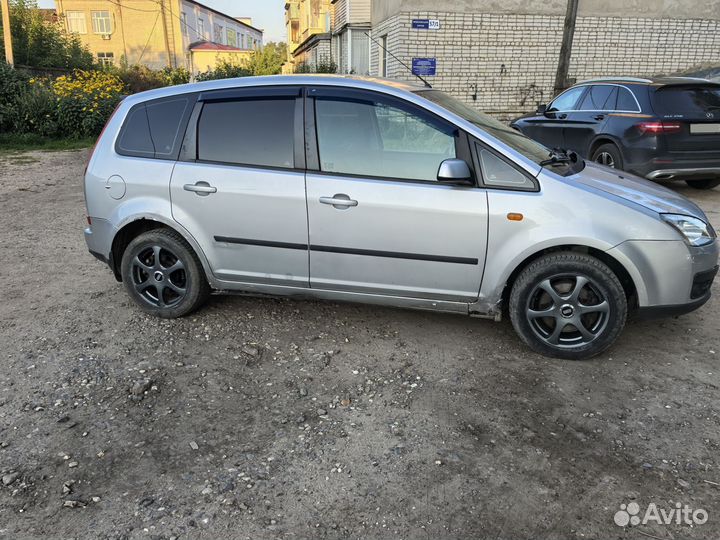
<point>225,70</point>
<point>323,66</point>
<point>139,78</point>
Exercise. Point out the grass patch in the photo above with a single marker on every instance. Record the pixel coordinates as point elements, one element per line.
<point>13,144</point>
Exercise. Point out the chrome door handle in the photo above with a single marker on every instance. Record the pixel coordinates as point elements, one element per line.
<point>201,188</point>
<point>340,201</point>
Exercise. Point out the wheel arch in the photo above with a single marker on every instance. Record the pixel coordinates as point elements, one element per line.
<point>598,141</point>
<point>138,225</point>
<point>625,277</point>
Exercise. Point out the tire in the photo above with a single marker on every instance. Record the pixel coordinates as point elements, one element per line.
<point>609,155</point>
<point>708,183</point>
<point>163,274</point>
<point>563,272</point>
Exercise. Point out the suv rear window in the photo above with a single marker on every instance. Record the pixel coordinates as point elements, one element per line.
<point>692,101</point>
<point>153,129</point>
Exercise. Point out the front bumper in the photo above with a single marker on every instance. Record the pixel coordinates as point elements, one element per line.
<point>670,277</point>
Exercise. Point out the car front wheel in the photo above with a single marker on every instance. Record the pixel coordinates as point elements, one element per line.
<point>568,305</point>
<point>163,275</point>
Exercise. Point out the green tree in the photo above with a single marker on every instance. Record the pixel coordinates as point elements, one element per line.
<point>268,60</point>
<point>41,44</point>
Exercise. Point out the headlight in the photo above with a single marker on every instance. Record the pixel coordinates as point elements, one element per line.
<point>695,231</point>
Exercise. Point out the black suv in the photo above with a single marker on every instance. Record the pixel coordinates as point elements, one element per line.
<point>661,129</point>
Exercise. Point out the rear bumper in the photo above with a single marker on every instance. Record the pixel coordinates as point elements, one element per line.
<point>696,173</point>
<point>99,237</point>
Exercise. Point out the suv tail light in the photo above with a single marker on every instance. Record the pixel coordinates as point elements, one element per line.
<point>656,128</point>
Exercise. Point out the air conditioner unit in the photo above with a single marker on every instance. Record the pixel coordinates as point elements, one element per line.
<point>106,36</point>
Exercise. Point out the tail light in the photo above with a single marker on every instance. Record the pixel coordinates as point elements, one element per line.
<point>656,128</point>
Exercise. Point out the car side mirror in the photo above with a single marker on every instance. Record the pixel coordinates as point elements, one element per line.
<point>541,109</point>
<point>455,171</point>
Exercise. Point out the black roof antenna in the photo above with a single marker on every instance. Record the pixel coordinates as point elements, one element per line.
<point>403,64</point>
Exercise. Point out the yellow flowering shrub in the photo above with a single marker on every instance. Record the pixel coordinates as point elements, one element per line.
<point>85,101</point>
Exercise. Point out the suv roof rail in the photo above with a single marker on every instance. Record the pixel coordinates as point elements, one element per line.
<point>618,79</point>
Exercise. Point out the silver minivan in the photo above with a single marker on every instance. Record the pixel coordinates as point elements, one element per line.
<point>383,192</point>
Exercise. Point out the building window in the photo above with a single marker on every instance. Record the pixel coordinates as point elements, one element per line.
<point>201,29</point>
<point>231,37</point>
<point>76,22</point>
<point>383,56</point>
<point>106,59</point>
<point>218,34</point>
<point>183,22</point>
<point>101,22</point>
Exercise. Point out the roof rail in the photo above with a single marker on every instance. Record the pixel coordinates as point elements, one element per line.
<point>624,79</point>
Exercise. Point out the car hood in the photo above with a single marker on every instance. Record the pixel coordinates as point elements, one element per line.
<point>638,190</point>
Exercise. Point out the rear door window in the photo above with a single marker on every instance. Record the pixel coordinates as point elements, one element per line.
<point>600,97</point>
<point>688,101</point>
<point>253,132</point>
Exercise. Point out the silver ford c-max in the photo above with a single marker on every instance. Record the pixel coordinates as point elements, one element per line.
<point>383,192</point>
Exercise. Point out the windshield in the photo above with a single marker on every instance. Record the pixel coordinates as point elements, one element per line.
<point>514,139</point>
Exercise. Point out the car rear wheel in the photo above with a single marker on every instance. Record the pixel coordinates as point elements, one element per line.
<point>163,275</point>
<point>568,305</point>
<point>609,155</point>
<point>708,183</point>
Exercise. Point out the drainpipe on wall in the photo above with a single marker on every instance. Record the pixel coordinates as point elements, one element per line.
<point>561,77</point>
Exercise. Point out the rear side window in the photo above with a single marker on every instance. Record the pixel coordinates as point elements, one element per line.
<point>626,101</point>
<point>687,101</point>
<point>154,129</point>
<point>255,132</point>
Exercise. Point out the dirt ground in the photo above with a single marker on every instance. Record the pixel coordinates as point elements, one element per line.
<point>262,418</point>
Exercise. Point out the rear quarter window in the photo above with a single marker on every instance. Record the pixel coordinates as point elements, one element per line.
<point>155,129</point>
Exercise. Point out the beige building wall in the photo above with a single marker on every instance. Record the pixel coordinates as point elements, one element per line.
<point>155,33</point>
<point>203,61</point>
<point>308,25</point>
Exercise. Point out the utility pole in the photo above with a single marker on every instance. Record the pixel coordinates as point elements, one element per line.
<point>5,5</point>
<point>561,76</point>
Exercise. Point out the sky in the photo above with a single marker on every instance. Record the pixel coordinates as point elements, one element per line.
<point>266,14</point>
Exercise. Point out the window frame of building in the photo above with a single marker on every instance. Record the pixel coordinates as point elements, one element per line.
<point>231,37</point>
<point>183,22</point>
<point>76,17</point>
<point>218,34</point>
<point>383,56</point>
<point>201,28</point>
<point>106,59</point>
<point>101,21</point>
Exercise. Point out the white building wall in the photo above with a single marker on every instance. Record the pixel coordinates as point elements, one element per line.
<point>210,18</point>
